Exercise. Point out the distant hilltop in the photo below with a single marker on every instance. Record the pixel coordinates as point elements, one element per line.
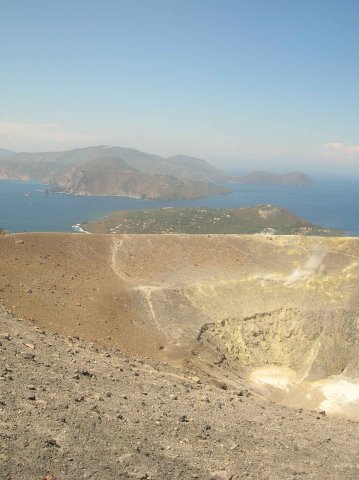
<point>111,170</point>
<point>267,178</point>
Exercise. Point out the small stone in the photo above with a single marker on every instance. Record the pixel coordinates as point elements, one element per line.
<point>5,336</point>
<point>220,475</point>
<point>31,397</point>
<point>52,442</point>
<point>49,476</point>
<point>222,386</point>
<point>28,355</point>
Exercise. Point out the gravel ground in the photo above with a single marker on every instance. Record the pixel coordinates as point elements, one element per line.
<point>70,409</point>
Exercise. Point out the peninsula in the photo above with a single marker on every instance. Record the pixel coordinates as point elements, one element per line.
<point>266,219</point>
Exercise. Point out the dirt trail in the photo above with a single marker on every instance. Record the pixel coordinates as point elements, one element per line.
<point>71,284</point>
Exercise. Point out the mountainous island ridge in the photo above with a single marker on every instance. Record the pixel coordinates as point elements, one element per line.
<point>111,170</point>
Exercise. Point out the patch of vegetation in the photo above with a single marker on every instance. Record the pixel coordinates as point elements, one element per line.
<point>264,219</point>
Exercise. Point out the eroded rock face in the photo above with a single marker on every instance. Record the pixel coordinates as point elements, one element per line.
<point>314,344</point>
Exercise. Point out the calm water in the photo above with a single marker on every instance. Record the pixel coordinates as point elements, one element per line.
<point>331,203</point>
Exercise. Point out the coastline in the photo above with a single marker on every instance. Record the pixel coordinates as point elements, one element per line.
<point>77,228</point>
<point>338,208</point>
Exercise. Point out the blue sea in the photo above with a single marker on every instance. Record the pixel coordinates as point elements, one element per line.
<point>330,202</point>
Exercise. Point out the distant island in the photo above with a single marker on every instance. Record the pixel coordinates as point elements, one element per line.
<point>267,178</point>
<point>266,219</point>
<point>111,170</point>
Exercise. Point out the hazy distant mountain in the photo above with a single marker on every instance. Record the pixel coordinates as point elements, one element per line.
<point>180,166</point>
<point>110,170</point>
<point>267,178</point>
<point>188,164</point>
<point>127,171</point>
<point>18,169</point>
<point>113,176</point>
<point>4,151</point>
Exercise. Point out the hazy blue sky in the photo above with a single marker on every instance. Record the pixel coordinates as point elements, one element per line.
<point>246,81</point>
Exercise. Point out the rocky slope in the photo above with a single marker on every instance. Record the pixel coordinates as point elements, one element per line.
<point>70,410</point>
